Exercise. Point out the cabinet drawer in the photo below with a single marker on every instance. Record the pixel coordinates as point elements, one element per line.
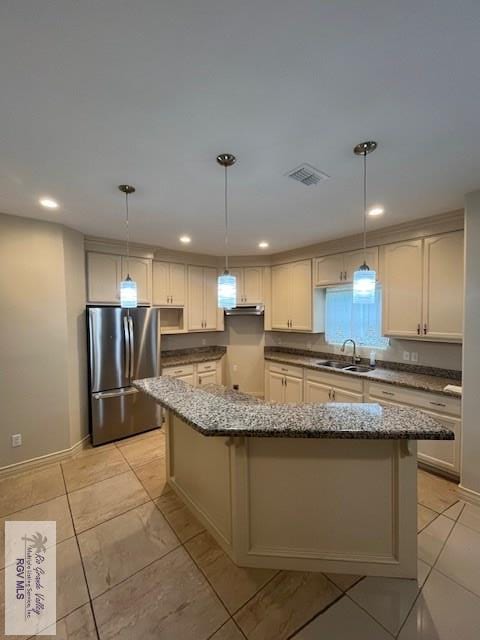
<point>203,367</point>
<point>178,371</point>
<point>340,381</point>
<point>421,399</point>
<point>286,369</point>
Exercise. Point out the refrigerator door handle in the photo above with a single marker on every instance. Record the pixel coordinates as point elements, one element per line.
<point>115,394</point>
<point>126,337</point>
<point>132,348</point>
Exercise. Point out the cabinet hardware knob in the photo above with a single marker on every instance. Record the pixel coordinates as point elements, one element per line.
<point>438,404</point>
<point>388,393</point>
<point>329,394</point>
<point>425,328</point>
<point>333,393</point>
<point>418,329</point>
<point>344,275</point>
<point>341,275</point>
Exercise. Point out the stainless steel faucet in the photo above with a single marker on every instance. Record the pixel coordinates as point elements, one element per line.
<point>355,359</point>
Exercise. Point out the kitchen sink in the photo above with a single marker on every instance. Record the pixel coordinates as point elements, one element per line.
<point>358,368</point>
<point>333,364</point>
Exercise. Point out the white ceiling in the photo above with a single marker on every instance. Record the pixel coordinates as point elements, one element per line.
<point>95,93</point>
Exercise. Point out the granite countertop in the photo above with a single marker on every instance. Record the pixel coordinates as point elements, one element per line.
<point>216,411</point>
<point>402,378</point>
<point>178,357</point>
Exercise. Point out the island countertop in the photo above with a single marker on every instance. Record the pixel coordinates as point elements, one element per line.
<point>217,411</point>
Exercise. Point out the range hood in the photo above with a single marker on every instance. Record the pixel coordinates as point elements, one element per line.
<point>246,310</point>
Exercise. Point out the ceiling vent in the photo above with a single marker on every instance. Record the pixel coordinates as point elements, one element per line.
<point>306,174</point>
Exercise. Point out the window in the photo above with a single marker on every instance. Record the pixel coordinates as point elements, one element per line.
<point>362,322</point>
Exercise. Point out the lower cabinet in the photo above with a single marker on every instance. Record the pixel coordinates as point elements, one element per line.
<point>283,383</point>
<point>199,374</point>
<point>439,454</point>
<point>326,387</point>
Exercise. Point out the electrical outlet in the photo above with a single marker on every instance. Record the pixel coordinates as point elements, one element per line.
<point>17,440</point>
<point>406,355</point>
<point>414,356</point>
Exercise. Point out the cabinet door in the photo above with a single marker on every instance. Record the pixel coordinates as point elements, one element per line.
<point>402,288</point>
<point>293,389</point>
<point>276,387</point>
<point>238,273</point>
<point>353,259</point>
<point>329,270</point>
<point>177,284</point>
<point>208,377</point>
<point>444,454</point>
<point>340,395</point>
<point>104,275</point>
<point>161,283</point>
<point>140,270</point>
<point>443,287</point>
<point>317,392</point>
<point>195,298</point>
<point>253,285</point>
<point>189,378</point>
<point>301,293</point>
<point>210,298</point>
<point>281,297</point>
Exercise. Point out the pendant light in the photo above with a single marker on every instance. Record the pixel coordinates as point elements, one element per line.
<point>364,279</point>
<point>128,287</point>
<point>226,283</point>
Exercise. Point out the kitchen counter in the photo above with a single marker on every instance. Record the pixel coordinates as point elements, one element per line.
<point>402,378</point>
<point>215,411</point>
<point>180,357</point>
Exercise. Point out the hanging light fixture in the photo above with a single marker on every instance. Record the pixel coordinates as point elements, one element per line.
<point>226,283</point>
<point>364,279</point>
<point>128,287</point>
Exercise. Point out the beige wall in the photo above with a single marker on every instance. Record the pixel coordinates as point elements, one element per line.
<point>470,465</point>
<point>245,344</point>
<point>41,372</point>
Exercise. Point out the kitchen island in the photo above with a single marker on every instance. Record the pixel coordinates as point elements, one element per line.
<point>319,487</point>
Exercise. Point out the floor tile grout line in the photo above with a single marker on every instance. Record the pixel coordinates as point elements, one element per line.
<point>257,592</point>
<point>83,566</point>
<point>8,515</point>
<point>370,615</point>
<point>445,575</point>
<point>431,568</point>
<point>317,615</point>
<point>140,504</point>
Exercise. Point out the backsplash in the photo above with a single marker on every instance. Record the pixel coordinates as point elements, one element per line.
<point>431,354</point>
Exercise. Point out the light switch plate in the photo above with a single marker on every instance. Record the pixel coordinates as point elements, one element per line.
<point>17,440</point>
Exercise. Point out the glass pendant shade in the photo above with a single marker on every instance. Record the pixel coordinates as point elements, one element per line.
<point>128,293</point>
<point>364,282</point>
<point>227,291</point>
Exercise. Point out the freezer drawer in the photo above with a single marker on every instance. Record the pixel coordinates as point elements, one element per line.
<point>121,413</point>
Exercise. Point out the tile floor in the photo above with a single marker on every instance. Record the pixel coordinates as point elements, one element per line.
<point>133,563</point>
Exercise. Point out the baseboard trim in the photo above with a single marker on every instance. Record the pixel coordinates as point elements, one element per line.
<point>47,459</point>
<point>469,495</point>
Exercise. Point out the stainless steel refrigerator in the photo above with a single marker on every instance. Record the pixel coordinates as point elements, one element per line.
<point>123,345</point>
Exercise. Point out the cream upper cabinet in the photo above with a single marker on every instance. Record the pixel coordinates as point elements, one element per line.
<point>354,259</point>
<point>301,294</point>
<point>104,273</point>
<point>423,288</point>
<point>249,284</point>
<point>140,270</point>
<point>202,298</point>
<point>339,268</point>
<point>443,286</point>
<point>169,284</point>
<point>402,288</point>
<point>292,296</point>
<point>281,297</point>
<point>329,270</point>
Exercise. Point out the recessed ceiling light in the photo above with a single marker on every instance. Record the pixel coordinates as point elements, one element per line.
<point>263,245</point>
<point>185,239</point>
<point>376,211</point>
<point>48,203</point>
